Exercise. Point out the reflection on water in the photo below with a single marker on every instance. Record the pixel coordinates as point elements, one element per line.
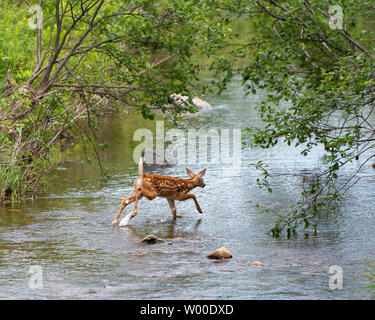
<point>69,233</point>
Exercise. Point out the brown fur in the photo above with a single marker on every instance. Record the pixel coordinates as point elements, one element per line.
<point>171,188</point>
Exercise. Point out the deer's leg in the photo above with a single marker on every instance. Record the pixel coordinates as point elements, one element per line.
<point>138,196</point>
<point>173,208</point>
<point>124,203</point>
<point>148,194</point>
<point>185,196</point>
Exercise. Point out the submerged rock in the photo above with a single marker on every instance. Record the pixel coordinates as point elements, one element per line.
<point>256,264</point>
<point>221,253</point>
<point>90,292</point>
<point>151,239</point>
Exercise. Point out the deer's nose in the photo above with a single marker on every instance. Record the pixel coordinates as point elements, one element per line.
<point>203,185</point>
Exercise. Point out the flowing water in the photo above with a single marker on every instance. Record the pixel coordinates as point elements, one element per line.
<point>68,231</point>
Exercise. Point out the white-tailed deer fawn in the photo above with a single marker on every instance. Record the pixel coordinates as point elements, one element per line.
<point>155,185</point>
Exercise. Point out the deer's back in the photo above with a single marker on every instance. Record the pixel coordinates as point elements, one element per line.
<point>163,185</point>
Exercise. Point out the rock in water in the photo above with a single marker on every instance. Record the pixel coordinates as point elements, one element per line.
<point>125,221</point>
<point>221,253</point>
<point>183,102</point>
<point>256,264</point>
<point>201,104</point>
<point>151,239</point>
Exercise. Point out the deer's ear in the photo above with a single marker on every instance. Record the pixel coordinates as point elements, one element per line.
<point>191,174</point>
<point>202,173</point>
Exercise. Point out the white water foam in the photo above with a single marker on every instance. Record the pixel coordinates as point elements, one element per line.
<point>125,221</point>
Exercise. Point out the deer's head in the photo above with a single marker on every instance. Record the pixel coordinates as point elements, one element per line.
<point>197,178</point>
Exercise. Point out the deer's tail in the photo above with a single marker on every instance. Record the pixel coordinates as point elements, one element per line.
<point>141,172</point>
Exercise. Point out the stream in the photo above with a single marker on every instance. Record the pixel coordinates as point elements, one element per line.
<point>67,232</point>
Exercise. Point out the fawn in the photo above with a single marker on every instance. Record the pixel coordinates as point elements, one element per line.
<point>155,185</point>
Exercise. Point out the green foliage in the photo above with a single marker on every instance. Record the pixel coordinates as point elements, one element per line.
<point>320,92</point>
<point>370,275</point>
<point>91,54</point>
<point>16,47</point>
<point>22,167</point>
